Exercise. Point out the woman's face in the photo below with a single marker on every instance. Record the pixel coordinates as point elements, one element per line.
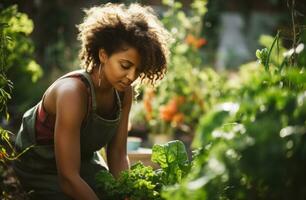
<point>121,69</point>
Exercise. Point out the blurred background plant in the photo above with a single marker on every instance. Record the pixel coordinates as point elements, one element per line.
<point>21,68</point>
<point>251,143</point>
<point>178,99</point>
<point>9,185</point>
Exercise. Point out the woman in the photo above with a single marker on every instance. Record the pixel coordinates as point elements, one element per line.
<point>88,109</point>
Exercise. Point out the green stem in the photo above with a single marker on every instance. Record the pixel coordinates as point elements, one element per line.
<point>270,51</point>
<point>294,33</point>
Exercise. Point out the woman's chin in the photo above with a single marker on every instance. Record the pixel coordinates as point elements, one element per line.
<point>121,87</point>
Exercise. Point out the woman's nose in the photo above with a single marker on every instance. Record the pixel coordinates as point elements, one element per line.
<point>131,75</point>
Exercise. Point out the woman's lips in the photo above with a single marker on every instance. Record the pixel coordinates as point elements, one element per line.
<point>124,84</point>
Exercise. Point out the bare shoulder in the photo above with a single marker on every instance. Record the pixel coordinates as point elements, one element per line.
<point>68,94</point>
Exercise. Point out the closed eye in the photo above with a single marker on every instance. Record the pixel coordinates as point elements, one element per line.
<point>125,64</point>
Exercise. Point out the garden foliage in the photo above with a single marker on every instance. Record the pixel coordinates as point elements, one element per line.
<point>177,100</point>
<point>13,25</point>
<point>142,182</point>
<point>21,68</point>
<point>250,125</point>
<point>5,94</point>
<point>253,141</point>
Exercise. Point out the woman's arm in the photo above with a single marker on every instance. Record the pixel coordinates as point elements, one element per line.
<point>117,158</point>
<point>71,101</point>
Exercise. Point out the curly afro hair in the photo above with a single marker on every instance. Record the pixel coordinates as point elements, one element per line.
<point>111,26</point>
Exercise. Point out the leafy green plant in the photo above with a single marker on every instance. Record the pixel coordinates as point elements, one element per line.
<point>5,84</point>
<point>252,140</point>
<point>142,182</point>
<point>9,189</point>
<point>21,68</point>
<point>5,95</point>
<point>173,160</point>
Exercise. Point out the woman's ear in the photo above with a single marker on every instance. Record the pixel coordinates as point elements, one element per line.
<point>102,56</point>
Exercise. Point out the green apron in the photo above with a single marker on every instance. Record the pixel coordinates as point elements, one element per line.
<point>36,168</point>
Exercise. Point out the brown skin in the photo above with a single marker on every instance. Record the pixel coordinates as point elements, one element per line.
<point>67,100</point>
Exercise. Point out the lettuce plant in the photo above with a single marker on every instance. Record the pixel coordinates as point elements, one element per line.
<point>143,182</point>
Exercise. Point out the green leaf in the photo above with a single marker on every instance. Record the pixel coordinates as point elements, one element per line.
<point>106,180</point>
<point>172,158</point>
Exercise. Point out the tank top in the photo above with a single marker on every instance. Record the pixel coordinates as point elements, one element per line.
<point>38,162</point>
<point>45,123</point>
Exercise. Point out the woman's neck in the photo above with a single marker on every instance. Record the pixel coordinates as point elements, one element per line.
<point>100,83</point>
